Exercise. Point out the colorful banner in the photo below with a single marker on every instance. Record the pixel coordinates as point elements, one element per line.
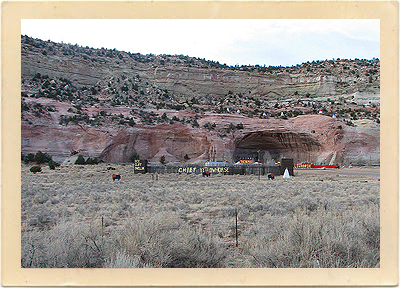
<point>309,165</point>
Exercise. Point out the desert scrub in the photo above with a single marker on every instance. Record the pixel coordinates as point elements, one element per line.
<point>188,220</point>
<point>318,240</point>
<point>164,240</point>
<point>67,245</point>
<point>121,259</point>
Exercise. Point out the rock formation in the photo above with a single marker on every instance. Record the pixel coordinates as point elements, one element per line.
<point>111,104</point>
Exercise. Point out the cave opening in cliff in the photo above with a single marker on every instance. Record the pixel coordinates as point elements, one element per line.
<point>274,145</point>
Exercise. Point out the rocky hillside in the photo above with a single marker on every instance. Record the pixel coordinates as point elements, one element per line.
<point>113,104</point>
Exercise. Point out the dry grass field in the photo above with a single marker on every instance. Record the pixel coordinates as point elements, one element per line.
<point>76,216</point>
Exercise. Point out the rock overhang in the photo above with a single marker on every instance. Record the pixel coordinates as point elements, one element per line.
<point>276,144</point>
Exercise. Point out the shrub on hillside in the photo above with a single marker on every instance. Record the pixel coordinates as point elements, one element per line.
<point>240,126</point>
<point>80,160</point>
<point>92,161</point>
<point>195,123</point>
<point>51,165</point>
<point>131,122</point>
<point>162,159</point>
<point>29,158</point>
<point>41,157</point>
<point>135,156</point>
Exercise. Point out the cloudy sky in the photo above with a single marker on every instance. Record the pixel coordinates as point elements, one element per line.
<point>231,41</point>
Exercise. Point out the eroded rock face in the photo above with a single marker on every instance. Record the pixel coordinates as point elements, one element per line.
<point>305,138</point>
<point>59,141</point>
<point>171,141</point>
<point>269,145</point>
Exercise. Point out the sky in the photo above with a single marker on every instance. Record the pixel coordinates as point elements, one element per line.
<point>267,42</point>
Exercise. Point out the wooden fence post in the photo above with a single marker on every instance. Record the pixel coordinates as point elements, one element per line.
<point>236,226</point>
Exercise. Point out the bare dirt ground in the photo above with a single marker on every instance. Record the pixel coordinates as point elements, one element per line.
<point>355,171</point>
<point>318,218</point>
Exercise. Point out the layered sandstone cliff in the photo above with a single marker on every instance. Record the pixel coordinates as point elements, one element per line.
<point>111,104</point>
<point>311,138</point>
<point>186,77</point>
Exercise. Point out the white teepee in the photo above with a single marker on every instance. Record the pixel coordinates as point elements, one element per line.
<point>286,174</point>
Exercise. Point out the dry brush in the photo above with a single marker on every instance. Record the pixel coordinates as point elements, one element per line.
<point>76,216</point>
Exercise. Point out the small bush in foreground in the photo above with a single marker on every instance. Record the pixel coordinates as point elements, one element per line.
<point>318,240</point>
<point>161,240</point>
<point>164,240</point>
<point>66,245</point>
<point>35,169</point>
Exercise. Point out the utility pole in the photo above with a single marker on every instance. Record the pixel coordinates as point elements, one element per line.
<point>259,165</point>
